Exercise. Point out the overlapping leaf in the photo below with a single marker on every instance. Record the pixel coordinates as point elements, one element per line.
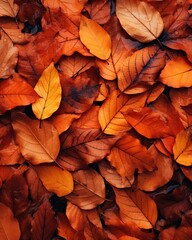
<point>132,208</point>
<point>36,144</point>
<point>8,8</point>
<point>49,89</point>
<point>89,189</point>
<point>140,20</point>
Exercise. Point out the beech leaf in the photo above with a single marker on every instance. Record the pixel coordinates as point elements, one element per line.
<point>132,207</point>
<point>177,73</point>
<point>8,8</point>
<point>9,55</point>
<point>95,38</point>
<point>9,226</point>
<point>139,19</point>
<point>49,89</point>
<point>36,144</point>
<point>182,148</point>
<point>55,179</point>
<point>89,189</point>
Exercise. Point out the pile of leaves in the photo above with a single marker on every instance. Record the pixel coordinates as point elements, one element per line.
<point>96,119</point>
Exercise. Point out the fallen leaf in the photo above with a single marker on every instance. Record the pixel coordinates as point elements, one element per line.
<point>9,55</point>
<point>132,207</point>
<point>139,19</point>
<point>36,144</point>
<point>95,38</point>
<point>89,189</point>
<point>55,179</point>
<point>8,8</point>
<point>49,89</point>
<point>9,224</point>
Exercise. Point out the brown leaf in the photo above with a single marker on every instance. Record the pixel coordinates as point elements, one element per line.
<point>139,19</point>
<point>9,55</point>
<point>15,92</point>
<point>137,207</point>
<point>35,142</point>
<point>89,189</point>
<point>44,223</point>
<point>9,225</point>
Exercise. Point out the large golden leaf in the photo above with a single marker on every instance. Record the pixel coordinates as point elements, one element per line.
<point>9,56</point>
<point>95,38</point>
<point>37,145</point>
<point>128,154</point>
<point>182,148</point>
<point>55,179</point>
<point>139,19</point>
<point>8,8</point>
<point>137,207</point>
<point>111,119</point>
<point>15,92</point>
<point>141,67</point>
<point>177,73</point>
<point>49,89</point>
<point>9,226</point>
<point>89,189</point>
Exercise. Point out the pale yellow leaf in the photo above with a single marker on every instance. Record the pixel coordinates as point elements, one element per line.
<point>95,38</point>
<point>49,89</point>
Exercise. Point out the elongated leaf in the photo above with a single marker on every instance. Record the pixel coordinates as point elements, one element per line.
<point>137,207</point>
<point>55,179</point>
<point>81,147</point>
<point>111,119</point>
<point>177,73</point>
<point>8,8</point>
<point>95,38</point>
<point>182,148</point>
<point>9,226</point>
<point>148,122</point>
<point>37,145</point>
<point>128,154</point>
<point>8,56</point>
<point>15,92</point>
<point>139,19</point>
<point>44,223</point>
<point>143,66</point>
<point>89,189</point>
<point>49,89</point>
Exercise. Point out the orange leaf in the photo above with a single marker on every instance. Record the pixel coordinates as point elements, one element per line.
<point>55,179</point>
<point>15,92</point>
<point>9,225</point>
<point>148,122</point>
<point>8,8</point>
<point>9,55</point>
<point>160,176</point>
<point>111,176</point>
<point>143,66</point>
<point>177,73</point>
<point>36,144</point>
<point>89,189</point>
<point>137,207</point>
<point>182,148</point>
<point>95,38</point>
<point>111,119</point>
<point>128,154</point>
<point>139,19</point>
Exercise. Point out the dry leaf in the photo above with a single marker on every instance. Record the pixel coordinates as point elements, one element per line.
<point>49,89</point>
<point>139,19</point>
<point>36,143</point>
<point>55,179</point>
<point>8,8</point>
<point>95,38</point>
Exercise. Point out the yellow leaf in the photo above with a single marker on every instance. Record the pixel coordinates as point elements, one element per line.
<point>55,179</point>
<point>182,148</point>
<point>95,38</point>
<point>139,19</point>
<point>49,89</point>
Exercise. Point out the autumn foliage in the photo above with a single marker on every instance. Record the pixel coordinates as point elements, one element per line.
<point>95,119</point>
